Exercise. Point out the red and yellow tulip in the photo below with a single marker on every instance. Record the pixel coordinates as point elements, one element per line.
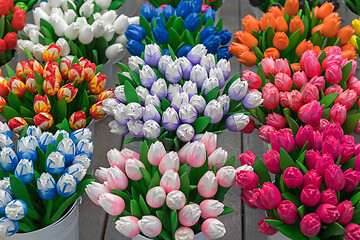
<point>51,53</point>
<point>17,124</point>
<point>2,104</point>
<point>42,104</point>
<point>22,70</point>
<point>52,69</point>
<point>51,85</point>
<point>96,111</point>
<point>89,69</point>
<point>76,73</point>
<point>17,87</point>
<point>108,93</point>
<point>97,84</point>
<point>68,91</point>
<point>31,83</point>
<point>4,87</point>
<point>36,66</point>
<point>77,120</point>
<point>64,68</point>
<point>44,120</point>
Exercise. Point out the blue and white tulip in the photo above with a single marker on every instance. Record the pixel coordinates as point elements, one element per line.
<point>66,185</point>
<point>25,171</point>
<point>55,163</point>
<point>8,159</point>
<point>66,148</point>
<point>16,209</point>
<point>46,186</point>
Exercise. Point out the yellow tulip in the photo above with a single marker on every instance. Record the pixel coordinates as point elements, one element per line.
<point>353,41</point>
<point>356,26</point>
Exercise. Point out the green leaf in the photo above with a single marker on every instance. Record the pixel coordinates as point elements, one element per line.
<point>293,41</point>
<point>135,209</point>
<point>146,175</point>
<point>9,71</point>
<point>143,206</point>
<point>123,67</point>
<point>259,55</point>
<point>2,26</point>
<point>185,183</point>
<point>26,112</point>
<point>9,113</point>
<point>290,230</point>
<point>174,38</point>
<point>350,122</point>
<point>135,77</point>
<point>145,24</point>
<point>173,221</point>
<point>261,170</point>
<point>49,32</point>
<point>226,89</point>
<point>165,104</point>
<point>20,191</point>
<point>164,218</point>
<point>13,101</point>
<point>130,93</point>
<point>155,181</point>
<point>61,110</point>
<point>301,167</point>
<point>144,148</point>
<point>346,70</point>
<point>328,99</point>
<point>124,196</point>
<point>178,25</point>
<point>293,125</point>
<point>39,83</point>
<point>285,160</point>
<point>219,25</point>
<point>292,198</point>
<point>333,229</point>
<point>212,94</point>
<point>230,162</point>
<point>227,210</point>
<point>200,124</point>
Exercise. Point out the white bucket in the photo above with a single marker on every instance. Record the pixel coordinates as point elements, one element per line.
<point>66,228</point>
<point>18,57</point>
<point>198,236</point>
<point>278,236</point>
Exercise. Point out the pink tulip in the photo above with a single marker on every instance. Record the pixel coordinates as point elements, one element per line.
<point>268,65</point>
<point>101,174</point>
<point>116,158</point>
<point>209,140</point>
<point>175,200</point>
<point>353,68</point>
<point>311,113</point>
<point>305,134</point>
<point>351,81</point>
<point>150,226</point>
<point>282,139</point>
<point>352,179</point>
<point>183,153</point>
<point>312,67</point>
<point>208,185</point>
<point>352,232</point>
<point>155,197</point>
<point>272,161</point>
<point>312,177</point>
<point>357,161</point>
<point>270,195</point>
<point>204,7</point>
<point>356,87</point>
<point>288,212</point>
<point>245,196</point>
<point>333,89</point>
<point>334,178</point>
<point>169,161</point>
<point>247,179</point>
<point>284,99</point>
<point>310,225</point>
<point>265,132</point>
<point>128,226</point>
<point>322,125</point>
<point>211,208</point>
<point>283,82</point>
<point>347,151</point>
<point>276,120</point>
<point>94,190</point>
<point>253,79</point>
<point>357,128</point>
<point>226,176</point>
<point>318,140</point>
<point>333,74</point>
<point>270,94</point>
<point>189,215</point>
<point>156,153</point>
<point>112,204</point>
<point>307,54</point>
<point>331,146</point>
<point>247,158</point>
<point>212,228</point>
<point>331,60</point>
<point>293,178</point>
<point>347,98</point>
<point>265,228</point>
<point>132,169</point>
<point>255,199</point>
<point>196,155</point>
<point>311,158</point>
<point>116,179</point>
<point>310,196</point>
<point>346,211</point>
<point>319,82</point>
<point>328,196</point>
<point>295,100</point>
<point>184,232</point>
<point>326,161</point>
<point>282,66</point>
<point>335,130</point>
<point>217,158</point>
<point>300,79</point>
<point>130,153</point>
<point>327,213</point>
<point>338,113</point>
<point>170,181</point>
<point>309,92</point>
<point>348,140</point>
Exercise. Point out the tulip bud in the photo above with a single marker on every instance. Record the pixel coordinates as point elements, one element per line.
<point>24,171</point>
<point>311,112</point>
<point>150,226</point>
<point>196,54</point>
<point>112,204</point>
<point>334,178</point>
<point>189,215</point>
<point>66,185</point>
<point>327,213</point>
<point>265,228</point>
<point>352,179</point>
<point>170,181</point>
<point>288,212</point>
<point>310,196</point>
<point>184,233</point>
<point>270,196</point>
<point>346,211</point>
<point>94,190</point>
<point>247,179</point>
<point>128,226</point>
<point>132,169</point>
<point>190,88</point>
<point>352,231</point>
<point>293,177</point>
<point>8,159</point>
<point>170,119</point>
<point>270,94</point>
<point>196,154</point>
<point>185,132</point>
<point>175,200</point>
<point>310,225</point>
<point>312,178</point>
<point>208,185</point>
<point>155,197</point>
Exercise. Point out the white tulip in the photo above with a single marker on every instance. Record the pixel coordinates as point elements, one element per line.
<point>86,35</point>
<point>65,48</point>
<point>46,7</point>
<point>38,51</point>
<point>109,32</point>
<point>109,17</point>
<point>58,12</point>
<point>72,31</point>
<point>86,9</point>
<point>103,4</point>
<point>59,24</point>
<point>28,27</point>
<point>38,13</point>
<point>113,52</point>
<point>97,15</point>
<point>65,7</point>
<point>34,36</point>
<point>134,20</point>
<point>121,39</point>
<point>55,3</point>
<point>98,28</point>
<point>82,22</point>
<point>121,24</point>
<point>69,16</point>
<point>22,44</point>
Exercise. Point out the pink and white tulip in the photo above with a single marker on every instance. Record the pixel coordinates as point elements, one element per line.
<point>116,179</point>
<point>211,208</point>
<point>116,158</point>
<point>132,168</point>
<point>196,155</point>
<point>150,226</point>
<point>100,174</point>
<point>212,228</point>
<point>155,197</point>
<point>128,226</point>
<point>209,140</point>
<point>94,190</point>
<point>175,200</point>
<point>170,181</point>
<point>189,215</point>
<point>183,153</point>
<point>169,161</point>
<point>226,176</point>
<point>130,153</point>
<point>184,233</point>
<point>156,153</point>
<point>217,158</point>
<point>208,185</point>
<point>112,204</point>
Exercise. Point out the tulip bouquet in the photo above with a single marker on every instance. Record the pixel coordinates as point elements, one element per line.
<point>42,177</point>
<point>288,32</point>
<point>12,20</point>
<point>179,29</point>
<point>265,5</point>
<point>173,99</point>
<point>315,194</point>
<point>46,95</point>
<point>214,4</point>
<point>162,195</point>
<point>83,29</point>
<point>321,89</point>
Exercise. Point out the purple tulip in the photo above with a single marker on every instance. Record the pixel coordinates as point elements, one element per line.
<point>179,99</point>
<point>173,90</point>
<point>135,128</point>
<point>159,88</point>
<point>173,72</point>
<point>185,132</point>
<point>252,100</point>
<point>190,88</point>
<point>152,54</point>
<point>198,75</point>
<point>170,119</point>
<point>151,113</point>
<point>187,113</point>
<point>214,110</point>
<point>151,129</point>
<point>196,54</point>
<point>147,76</point>
<point>237,122</point>
<point>185,65</point>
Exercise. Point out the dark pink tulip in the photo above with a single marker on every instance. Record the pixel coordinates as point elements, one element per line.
<point>255,199</point>
<point>310,225</point>
<point>284,99</point>
<point>270,94</point>
<point>270,195</point>
<point>310,196</point>
<point>331,146</point>
<point>319,82</point>
<point>312,177</point>
<point>295,100</point>
<point>300,79</point>
<point>357,162</point>
<point>334,178</point>
<point>272,161</point>
<point>356,87</point>
<point>324,163</point>
<point>245,196</point>
<point>311,158</point>
<point>309,92</point>
<point>347,152</point>
<point>283,81</point>
<point>307,54</point>
<point>311,113</point>
<point>338,113</point>
<point>352,179</point>
<point>268,65</point>
<point>305,134</point>
<point>265,228</point>
<point>247,179</point>
<point>352,232</point>
<point>328,196</point>
<point>348,139</point>
<point>288,212</point>
<point>318,140</point>
<point>333,74</point>
<point>276,120</point>
<point>265,132</point>
<point>331,60</point>
<point>346,211</point>
<point>282,139</point>
<point>312,67</point>
<point>293,178</point>
<point>347,98</point>
<point>335,130</point>
<point>333,89</point>
<point>322,125</point>
<point>247,158</point>
<point>282,66</point>
<point>327,213</point>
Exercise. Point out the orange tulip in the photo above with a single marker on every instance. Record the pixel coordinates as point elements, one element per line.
<point>296,24</point>
<point>296,67</point>
<point>317,50</point>
<point>267,20</point>
<point>281,25</point>
<point>330,28</point>
<point>317,28</point>
<point>348,47</point>
<point>292,7</point>
<point>281,40</point>
<point>247,58</point>
<point>277,12</point>
<point>332,15</point>
<point>302,47</point>
<point>325,10</point>
<point>237,48</point>
<point>315,10</point>
<point>345,34</point>
<point>250,24</point>
<point>272,53</point>
<point>349,54</point>
<point>246,38</point>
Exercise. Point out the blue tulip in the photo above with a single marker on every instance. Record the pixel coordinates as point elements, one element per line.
<point>134,33</point>
<point>161,36</point>
<point>33,131</point>
<point>16,210</point>
<point>85,147</point>
<point>83,133</point>
<point>46,186</point>
<point>4,129</point>
<point>55,163</point>
<point>168,11</point>
<point>165,52</point>
<point>64,133</point>
<point>10,226</point>
<point>223,53</point>
<point>8,159</point>
<point>45,139</point>
<point>192,21</point>
<point>66,185</point>
<point>197,6</point>
<point>209,30</point>
<point>209,13</point>
<point>225,36</point>
<point>159,21</point>
<point>212,43</point>
<point>6,141</point>
<point>77,171</point>
<point>27,148</point>
<point>25,171</point>
<point>184,9</point>
<point>158,11</point>
<point>135,48</point>
<point>147,11</point>
<point>184,50</point>
<point>67,148</point>
<point>138,28</point>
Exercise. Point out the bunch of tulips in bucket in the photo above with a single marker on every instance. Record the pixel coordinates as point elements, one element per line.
<point>264,5</point>
<point>214,4</point>
<point>160,195</point>
<point>315,194</point>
